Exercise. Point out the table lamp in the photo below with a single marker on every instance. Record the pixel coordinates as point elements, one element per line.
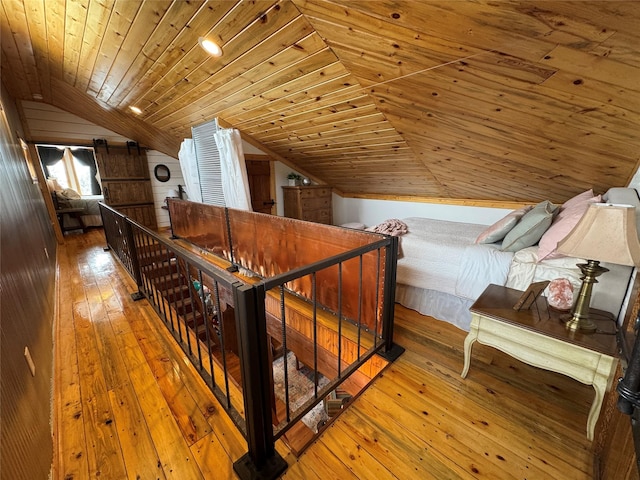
<point>605,233</point>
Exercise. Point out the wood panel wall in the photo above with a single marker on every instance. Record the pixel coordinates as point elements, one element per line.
<point>27,256</point>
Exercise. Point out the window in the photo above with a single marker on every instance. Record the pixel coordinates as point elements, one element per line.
<point>71,167</point>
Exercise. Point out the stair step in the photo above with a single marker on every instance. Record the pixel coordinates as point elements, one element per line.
<point>175,293</point>
<point>168,281</point>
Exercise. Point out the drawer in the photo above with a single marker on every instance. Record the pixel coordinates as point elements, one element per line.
<point>318,216</point>
<point>313,203</point>
<point>315,193</point>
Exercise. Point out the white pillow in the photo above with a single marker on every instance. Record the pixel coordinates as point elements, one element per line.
<point>53,185</point>
<point>70,193</point>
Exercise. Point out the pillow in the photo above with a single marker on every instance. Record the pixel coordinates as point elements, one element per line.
<point>530,228</point>
<point>53,185</point>
<point>578,199</point>
<point>562,225</point>
<point>70,193</point>
<point>498,230</point>
<point>62,201</point>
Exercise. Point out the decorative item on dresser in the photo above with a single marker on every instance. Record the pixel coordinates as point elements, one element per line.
<point>311,203</point>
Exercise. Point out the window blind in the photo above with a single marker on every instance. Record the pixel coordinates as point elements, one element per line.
<point>208,160</point>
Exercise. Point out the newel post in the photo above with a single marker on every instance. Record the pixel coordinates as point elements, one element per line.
<point>391,350</point>
<point>261,461</point>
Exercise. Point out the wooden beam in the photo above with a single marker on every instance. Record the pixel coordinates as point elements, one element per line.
<point>72,100</point>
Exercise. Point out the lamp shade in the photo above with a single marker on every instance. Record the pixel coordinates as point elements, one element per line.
<point>607,233</point>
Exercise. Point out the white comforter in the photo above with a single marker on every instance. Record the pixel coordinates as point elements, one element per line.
<point>88,202</point>
<point>441,255</point>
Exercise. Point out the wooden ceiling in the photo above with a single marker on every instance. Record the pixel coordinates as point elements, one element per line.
<point>486,99</point>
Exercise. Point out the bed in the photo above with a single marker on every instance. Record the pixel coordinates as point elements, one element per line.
<point>69,199</point>
<point>443,270</point>
<point>91,216</point>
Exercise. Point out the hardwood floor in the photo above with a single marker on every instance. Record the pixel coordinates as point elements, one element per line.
<point>128,405</point>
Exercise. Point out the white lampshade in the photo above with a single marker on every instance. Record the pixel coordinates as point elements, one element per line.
<point>607,233</point>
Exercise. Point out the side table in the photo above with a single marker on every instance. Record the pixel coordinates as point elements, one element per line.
<point>538,337</point>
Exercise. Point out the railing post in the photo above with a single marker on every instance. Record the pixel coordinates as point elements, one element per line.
<point>133,256</point>
<point>261,461</point>
<point>391,350</point>
<point>107,226</point>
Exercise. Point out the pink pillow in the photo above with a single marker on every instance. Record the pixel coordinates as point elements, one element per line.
<point>562,226</point>
<point>498,230</point>
<point>578,199</point>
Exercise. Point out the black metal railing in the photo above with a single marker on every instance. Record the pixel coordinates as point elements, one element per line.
<point>119,237</point>
<point>228,323</point>
<point>350,333</point>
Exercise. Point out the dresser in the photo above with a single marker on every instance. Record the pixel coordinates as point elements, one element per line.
<point>311,203</point>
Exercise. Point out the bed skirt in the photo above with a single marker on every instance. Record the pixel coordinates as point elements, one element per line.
<point>441,306</point>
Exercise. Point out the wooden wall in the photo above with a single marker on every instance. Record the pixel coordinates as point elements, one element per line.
<point>27,256</point>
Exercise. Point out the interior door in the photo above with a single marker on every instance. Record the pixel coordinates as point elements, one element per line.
<point>260,184</point>
<point>126,183</point>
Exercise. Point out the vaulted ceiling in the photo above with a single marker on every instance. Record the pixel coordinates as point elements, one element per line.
<point>486,99</point>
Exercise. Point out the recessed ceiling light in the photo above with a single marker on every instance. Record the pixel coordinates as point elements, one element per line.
<point>135,110</point>
<point>211,47</point>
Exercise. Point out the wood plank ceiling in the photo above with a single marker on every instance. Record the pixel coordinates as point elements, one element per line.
<point>502,100</point>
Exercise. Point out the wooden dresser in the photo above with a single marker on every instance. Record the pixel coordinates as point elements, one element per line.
<point>311,203</point>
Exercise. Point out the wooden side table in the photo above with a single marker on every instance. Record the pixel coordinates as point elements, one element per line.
<point>538,337</point>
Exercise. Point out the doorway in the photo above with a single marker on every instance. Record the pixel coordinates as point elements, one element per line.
<point>261,185</point>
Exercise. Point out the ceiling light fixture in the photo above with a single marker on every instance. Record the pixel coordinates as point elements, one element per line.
<point>211,47</point>
<point>135,110</point>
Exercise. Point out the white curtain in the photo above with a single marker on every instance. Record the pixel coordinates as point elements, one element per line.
<point>235,184</point>
<point>189,167</point>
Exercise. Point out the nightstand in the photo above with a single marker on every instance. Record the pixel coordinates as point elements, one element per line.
<point>538,337</point>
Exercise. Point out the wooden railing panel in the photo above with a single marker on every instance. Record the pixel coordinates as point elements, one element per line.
<point>269,246</point>
<point>272,245</point>
<point>202,225</point>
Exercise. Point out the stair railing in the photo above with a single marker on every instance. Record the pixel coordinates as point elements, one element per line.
<point>190,294</point>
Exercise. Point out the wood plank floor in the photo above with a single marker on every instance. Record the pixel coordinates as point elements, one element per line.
<point>128,405</point>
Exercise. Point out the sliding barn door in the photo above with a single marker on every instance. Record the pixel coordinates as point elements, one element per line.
<point>126,184</point>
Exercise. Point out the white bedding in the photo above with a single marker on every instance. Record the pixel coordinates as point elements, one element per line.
<point>441,255</point>
<point>526,270</point>
<point>91,216</point>
<point>88,202</point>
<point>442,271</point>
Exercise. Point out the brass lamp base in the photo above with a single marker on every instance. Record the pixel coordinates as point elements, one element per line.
<point>579,319</point>
<point>582,324</point>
